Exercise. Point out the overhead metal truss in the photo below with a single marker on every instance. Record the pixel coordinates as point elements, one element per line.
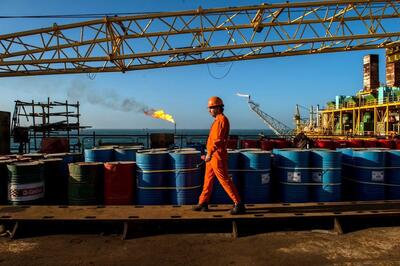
<point>201,36</point>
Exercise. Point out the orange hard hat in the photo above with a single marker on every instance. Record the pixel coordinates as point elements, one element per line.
<point>215,101</point>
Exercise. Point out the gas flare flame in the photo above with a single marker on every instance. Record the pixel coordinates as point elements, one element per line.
<point>160,114</point>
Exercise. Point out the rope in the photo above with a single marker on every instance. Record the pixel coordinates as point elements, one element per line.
<point>372,183</point>
<point>371,167</point>
<point>249,170</point>
<point>308,168</point>
<point>197,168</point>
<point>310,184</point>
<point>168,170</point>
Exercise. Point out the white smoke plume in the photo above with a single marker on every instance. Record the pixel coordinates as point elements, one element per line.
<point>80,91</point>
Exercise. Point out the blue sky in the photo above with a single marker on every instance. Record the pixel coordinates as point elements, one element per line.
<point>276,84</point>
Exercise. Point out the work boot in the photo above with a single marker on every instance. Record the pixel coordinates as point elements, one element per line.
<point>238,209</point>
<point>203,207</point>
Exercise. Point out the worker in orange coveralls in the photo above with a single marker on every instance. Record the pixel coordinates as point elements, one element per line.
<point>217,159</point>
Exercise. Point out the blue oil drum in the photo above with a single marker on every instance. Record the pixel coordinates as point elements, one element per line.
<point>102,155</point>
<point>124,154</point>
<point>392,175</point>
<point>198,146</point>
<point>153,172</point>
<point>347,173</point>
<point>185,186</point>
<point>326,174</point>
<point>294,174</point>
<point>256,176</point>
<point>369,174</point>
<point>218,195</point>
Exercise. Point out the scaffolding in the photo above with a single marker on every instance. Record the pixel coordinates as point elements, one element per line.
<point>42,120</point>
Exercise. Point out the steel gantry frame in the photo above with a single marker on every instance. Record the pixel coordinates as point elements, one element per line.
<point>202,36</point>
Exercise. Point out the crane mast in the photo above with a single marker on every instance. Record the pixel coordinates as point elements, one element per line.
<point>275,125</point>
<point>202,36</point>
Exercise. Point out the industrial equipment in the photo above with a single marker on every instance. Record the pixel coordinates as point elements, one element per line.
<point>202,36</point>
<point>275,125</point>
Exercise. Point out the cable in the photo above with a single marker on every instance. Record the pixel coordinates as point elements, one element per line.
<point>91,76</point>
<point>223,76</point>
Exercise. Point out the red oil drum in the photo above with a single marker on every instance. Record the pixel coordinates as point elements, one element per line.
<point>267,145</point>
<point>370,143</point>
<point>386,143</point>
<point>282,143</point>
<point>232,144</point>
<point>341,144</point>
<point>119,180</point>
<point>324,144</point>
<point>249,144</point>
<point>356,143</point>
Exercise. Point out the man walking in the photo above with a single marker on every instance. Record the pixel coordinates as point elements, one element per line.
<point>217,159</point>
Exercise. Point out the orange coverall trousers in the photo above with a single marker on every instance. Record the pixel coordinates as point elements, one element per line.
<point>219,168</point>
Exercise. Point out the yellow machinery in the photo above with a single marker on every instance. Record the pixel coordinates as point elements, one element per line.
<point>202,36</point>
<point>384,117</point>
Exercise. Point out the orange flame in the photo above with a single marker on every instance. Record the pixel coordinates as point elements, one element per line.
<point>160,114</point>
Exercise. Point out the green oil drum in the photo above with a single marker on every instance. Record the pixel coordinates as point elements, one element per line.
<point>56,183</point>
<point>25,183</point>
<point>85,185</point>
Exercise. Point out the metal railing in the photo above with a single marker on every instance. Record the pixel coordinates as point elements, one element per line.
<point>83,141</point>
<point>371,102</point>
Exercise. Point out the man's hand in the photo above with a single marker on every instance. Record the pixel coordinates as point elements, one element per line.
<point>207,158</point>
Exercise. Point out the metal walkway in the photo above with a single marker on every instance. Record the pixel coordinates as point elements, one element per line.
<point>129,215</point>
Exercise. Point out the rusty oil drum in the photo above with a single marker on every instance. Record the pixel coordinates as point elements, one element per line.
<point>25,183</point>
<point>119,181</point>
<point>85,186</point>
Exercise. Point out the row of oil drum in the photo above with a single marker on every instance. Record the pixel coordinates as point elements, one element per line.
<point>175,177</point>
<point>168,177</point>
<point>307,175</point>
<point>356,143</point>
<point>250,171</point>
<point>111,153</point>
<point>110,183</point>
<point>39,178</point>
<point>371,174</point>
<point>263,144</point>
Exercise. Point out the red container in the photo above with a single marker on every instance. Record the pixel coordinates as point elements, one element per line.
<point>282,143</point>
<point>232,144</point>
<point>386,143</point>
<point>119,183</point>
<point>397,144</point>
<point>249,144</point>
<point>356,143</point>
<point>324,144</point>
<point>370,143</point>
<point>266,145</point>
<point>341,144</point>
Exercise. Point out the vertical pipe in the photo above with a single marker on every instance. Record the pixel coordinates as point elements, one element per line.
<point>34,124</point>
<point>387,119</point>
<point>375,120</point>
<point>67,116</point>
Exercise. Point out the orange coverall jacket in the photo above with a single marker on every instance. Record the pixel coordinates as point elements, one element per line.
<point>218,165</point>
